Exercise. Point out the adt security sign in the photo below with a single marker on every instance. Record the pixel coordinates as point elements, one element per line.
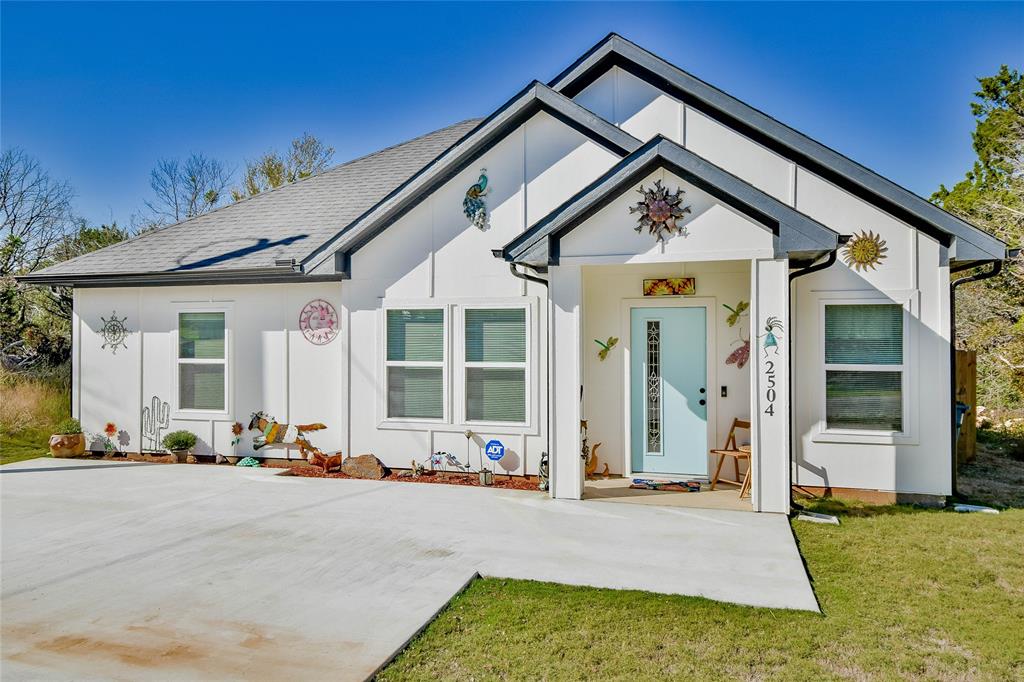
<point>494,450</point>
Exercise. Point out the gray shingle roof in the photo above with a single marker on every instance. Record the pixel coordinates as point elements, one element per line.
<point>288,222</point>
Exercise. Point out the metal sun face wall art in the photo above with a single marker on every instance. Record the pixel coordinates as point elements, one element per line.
<point>865,250</point>
<point>114,332</point>
<point>660,211</point>
<point>319,322</point>
<point>473,205</point>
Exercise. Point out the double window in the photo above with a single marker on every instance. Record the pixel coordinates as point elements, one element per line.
<point>864,367</point>
<point>202,361</point>
<point>491,371</point>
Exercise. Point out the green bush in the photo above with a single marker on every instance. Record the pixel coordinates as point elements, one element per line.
<point>179,440</point>
<point>68,426</point>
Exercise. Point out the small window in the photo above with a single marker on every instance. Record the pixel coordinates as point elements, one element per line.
<point>415,363</point>
<point>495,364</point>
<point>202,361</point>
<point>864,367</point>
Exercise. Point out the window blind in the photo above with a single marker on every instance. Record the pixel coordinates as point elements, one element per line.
<point>415,335</point>
<point>497,335</point>
<point>864,400</point>
<point>496,394</point>
<point>415,392</point>
<point>864,334</point>
<point>201,387</point>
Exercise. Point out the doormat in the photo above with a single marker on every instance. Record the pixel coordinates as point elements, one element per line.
<point>673,486</point>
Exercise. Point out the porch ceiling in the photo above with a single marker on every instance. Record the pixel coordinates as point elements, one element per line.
<point>800,237</point>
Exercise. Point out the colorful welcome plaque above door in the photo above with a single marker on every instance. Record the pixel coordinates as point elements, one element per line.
<point>670,286</point>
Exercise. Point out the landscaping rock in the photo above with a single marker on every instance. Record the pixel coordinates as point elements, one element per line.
<point>67,445</point>
<point>364,466</point>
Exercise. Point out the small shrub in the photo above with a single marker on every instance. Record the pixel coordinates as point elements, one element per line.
<point>180,440</point>
<point>68,427</point>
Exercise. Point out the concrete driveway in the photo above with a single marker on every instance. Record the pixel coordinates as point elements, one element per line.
<point>141,571</point>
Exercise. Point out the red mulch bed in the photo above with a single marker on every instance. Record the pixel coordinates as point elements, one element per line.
<point>442,477</point>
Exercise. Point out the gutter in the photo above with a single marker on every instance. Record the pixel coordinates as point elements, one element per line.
<point>548,365</point>
<point>997,267</point>
<point>810,269</point>
<point>267,275</point>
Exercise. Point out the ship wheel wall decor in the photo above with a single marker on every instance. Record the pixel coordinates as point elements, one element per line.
<point>660,211</point>
<point>865,250</point>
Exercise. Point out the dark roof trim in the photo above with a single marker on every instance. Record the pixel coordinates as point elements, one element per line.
<point>796,234</point>
<point>178,278</point>
<point>534,98</point>
<point>967,242</point>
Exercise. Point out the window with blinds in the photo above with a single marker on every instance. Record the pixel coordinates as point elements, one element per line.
<point>202,361</point>
<point>415,363</point>
<point>495,363</point>
<point>864,367</point>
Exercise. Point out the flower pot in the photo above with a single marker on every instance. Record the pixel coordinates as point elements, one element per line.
<point>67,444</point>
<point>182,455</point>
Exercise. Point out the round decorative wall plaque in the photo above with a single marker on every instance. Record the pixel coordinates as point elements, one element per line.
<point>319,322</point>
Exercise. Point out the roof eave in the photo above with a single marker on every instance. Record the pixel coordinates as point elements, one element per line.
<point>277,275</point>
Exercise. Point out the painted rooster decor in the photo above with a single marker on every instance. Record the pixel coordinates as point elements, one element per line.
<point>659,211</point>
<point>473,205</point>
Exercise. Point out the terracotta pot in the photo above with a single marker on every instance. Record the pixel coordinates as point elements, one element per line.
<point>67,444</point>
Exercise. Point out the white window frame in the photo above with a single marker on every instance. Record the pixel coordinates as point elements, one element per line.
<point>526,365</point>
<point>446,315</point>
<point>909,302</point>
<point>189,413</point>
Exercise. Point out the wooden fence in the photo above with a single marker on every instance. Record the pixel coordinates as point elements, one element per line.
<point>966,392</point>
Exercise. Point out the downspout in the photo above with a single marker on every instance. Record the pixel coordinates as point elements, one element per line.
<point>814,267</point>
<point>997,267</point>
<point>547,367</point>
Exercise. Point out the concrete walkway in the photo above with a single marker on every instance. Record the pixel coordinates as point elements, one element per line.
<point>141,571</point>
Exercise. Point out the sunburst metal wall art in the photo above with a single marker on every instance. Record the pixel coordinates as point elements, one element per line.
<point>864,251</point>
<point>114,332</point>
<point>660,211</point>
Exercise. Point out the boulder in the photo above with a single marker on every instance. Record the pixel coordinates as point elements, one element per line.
<point>67,445</point>
<point>364,466</point>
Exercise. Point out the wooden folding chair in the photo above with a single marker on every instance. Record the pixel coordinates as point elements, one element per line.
<point>737,453</point>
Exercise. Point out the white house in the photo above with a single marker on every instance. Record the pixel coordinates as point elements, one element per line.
<point>457,283</point>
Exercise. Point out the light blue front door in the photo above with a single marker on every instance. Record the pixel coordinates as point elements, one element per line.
<point>668,392</point>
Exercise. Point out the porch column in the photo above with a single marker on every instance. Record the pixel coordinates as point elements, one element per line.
<point>770,397</point>
<point>565,296</point>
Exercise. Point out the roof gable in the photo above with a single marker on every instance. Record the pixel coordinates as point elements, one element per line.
<point>966,242</point>
<point>535,98</point>
<point>795,234</point>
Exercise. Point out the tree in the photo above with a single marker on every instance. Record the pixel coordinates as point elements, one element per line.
<point>184,190</point>
<point>307,157</point>
<point>36,214</point>
<point>990,318</point>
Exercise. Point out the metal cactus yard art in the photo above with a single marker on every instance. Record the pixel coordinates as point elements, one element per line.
<point>865,250</point>
<point>155,419</point>
<point>473,205</point>
<point>660,211</point>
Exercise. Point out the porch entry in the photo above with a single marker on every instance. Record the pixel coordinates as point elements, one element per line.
<point>668,391</point>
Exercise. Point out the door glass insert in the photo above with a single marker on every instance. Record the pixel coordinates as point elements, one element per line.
<point>653,386</point>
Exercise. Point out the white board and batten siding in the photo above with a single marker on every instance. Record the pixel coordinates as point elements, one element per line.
<point>912,275</point>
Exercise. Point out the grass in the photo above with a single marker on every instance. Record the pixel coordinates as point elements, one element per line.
<point>31,405</point>
<point>906,593</point>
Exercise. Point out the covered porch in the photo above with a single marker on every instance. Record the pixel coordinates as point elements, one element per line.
<point>681,280</point>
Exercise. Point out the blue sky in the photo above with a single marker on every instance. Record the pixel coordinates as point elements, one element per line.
<point>99,92</point>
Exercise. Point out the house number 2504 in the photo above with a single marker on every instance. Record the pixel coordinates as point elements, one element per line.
<point>769,393</point>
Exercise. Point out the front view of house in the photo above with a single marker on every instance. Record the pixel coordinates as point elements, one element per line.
<point>626,245</point>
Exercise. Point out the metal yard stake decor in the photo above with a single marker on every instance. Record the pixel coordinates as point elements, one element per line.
<point>660,211</point>
<point>114,332</point>
<point>473,205</point>
<point>155,419</point>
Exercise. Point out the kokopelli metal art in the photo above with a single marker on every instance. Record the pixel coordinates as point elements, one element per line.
<point>154,420</point>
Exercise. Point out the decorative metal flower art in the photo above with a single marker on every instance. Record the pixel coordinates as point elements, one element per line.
<point>864,251</point>
<point>473,205</point>
<point>114,332</point>
<point>660,210</point>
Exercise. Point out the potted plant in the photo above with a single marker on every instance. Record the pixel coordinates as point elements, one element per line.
<point>68,439</point>
<point>180,444</point>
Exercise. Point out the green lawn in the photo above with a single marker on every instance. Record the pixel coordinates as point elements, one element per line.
<point>23,445</point>
<point>905,593</point>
